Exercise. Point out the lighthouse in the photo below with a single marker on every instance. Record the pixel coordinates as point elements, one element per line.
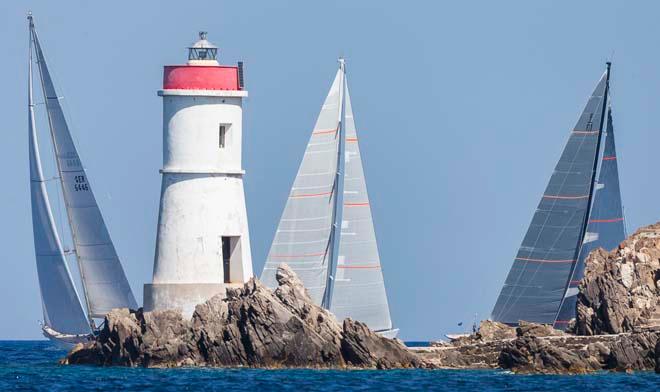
<point>203,243</point>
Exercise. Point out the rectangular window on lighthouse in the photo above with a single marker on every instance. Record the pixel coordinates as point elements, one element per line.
<point>222,135</point>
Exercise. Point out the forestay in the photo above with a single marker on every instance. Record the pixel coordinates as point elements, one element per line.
<point>104,281</point>
<point>60,303</point>
<point>304,235</point>
<point>536,283</point>
<point>606,227</point>
<point>359,289</point>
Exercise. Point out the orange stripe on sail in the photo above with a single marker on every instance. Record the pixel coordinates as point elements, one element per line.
<point>609,158</point>
<point>356,204</point>
<point>310,195</point>
<point>565,197</point>
<point>544,260</point>
<point>606,220</point>
<point>324,132</point>
<point>374,266</point>
<point>351,140</point>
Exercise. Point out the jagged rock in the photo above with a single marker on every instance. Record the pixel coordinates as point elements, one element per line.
<point>362,347</point>
<point>493,330</point>
<point>633,352</point>
<point>249,326</point>
<point>537,355</point>
<point>621,289</point>
<point>527,329</point>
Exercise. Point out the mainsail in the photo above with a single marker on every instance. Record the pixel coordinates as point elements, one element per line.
<point>341,272</point>
<point>359,289</point>
<point>103,278</point>
<point>304,235</point>
<point>534,289</point>
<point>606,227</point>
<point>60,303</point>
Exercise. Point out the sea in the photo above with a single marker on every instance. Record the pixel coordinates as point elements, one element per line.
<point>33,366</point>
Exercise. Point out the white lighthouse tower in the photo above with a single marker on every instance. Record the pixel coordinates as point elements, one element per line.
<point>203,244</point>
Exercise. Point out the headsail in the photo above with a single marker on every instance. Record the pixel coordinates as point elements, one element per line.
<point>104,281</point>
<point>606,228</point>
<point>304,235</point>
<point>60,303</point>
<point>359,289</point>
<point>536,283</point>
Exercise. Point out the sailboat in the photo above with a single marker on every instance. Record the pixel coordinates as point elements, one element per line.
<point>103,280</point>
<point>580,211</point>
<point>326,231</point>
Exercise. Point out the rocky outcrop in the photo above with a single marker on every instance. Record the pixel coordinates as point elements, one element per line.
<point>251,326</point>
<point>617,325</point>
<point>621,289</point>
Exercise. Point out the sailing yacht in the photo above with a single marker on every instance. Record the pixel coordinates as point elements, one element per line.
<point>103,280</point>
<point>580,211</point>
<point>326,232</point>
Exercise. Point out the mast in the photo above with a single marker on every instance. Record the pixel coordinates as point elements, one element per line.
<point>336,211</point>
<point>585,223</point>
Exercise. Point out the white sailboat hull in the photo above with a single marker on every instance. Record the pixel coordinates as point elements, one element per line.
<point>66,341</point>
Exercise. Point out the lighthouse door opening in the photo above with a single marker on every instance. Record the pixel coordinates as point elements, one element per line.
<point>231,259</point>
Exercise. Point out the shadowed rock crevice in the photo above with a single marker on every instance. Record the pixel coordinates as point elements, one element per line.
<point>251,326</point>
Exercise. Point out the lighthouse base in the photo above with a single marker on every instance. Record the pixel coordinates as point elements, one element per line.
<point>181,296</point>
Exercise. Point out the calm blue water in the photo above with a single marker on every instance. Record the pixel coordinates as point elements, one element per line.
<point>32,366</point>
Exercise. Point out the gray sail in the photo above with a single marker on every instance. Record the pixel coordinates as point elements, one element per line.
<point>60,303</point>
<point>103,278</point>
<point>304,235</point>
<point>606,227</point>
<point>358,286</point>
<point>535,285</point>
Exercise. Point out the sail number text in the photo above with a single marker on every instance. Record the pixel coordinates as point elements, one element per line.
<point>80,184</point>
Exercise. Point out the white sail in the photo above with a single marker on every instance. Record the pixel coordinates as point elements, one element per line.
<point>60,303</point>
<point>359,289</point>
<point>104,281</point>
<point>304,235</point>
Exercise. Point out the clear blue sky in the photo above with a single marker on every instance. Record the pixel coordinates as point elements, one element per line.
<point>462,108</point>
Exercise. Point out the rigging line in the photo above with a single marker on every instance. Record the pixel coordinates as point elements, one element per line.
<point>507,305</point>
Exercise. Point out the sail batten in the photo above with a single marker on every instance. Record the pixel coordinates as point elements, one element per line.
<point>104,282</point>
<point>62,310</point>
<point>536,283</point>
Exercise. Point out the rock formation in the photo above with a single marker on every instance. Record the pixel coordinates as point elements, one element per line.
<point>617,325</point>
<point>621,289</point>
<point>251,326</point>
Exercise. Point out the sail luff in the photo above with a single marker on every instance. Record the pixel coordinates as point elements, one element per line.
<point>105,284</point>
<point>303,237</point>
<point>358,284</point>
<point>536,282</point>
<point>61,305</point>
